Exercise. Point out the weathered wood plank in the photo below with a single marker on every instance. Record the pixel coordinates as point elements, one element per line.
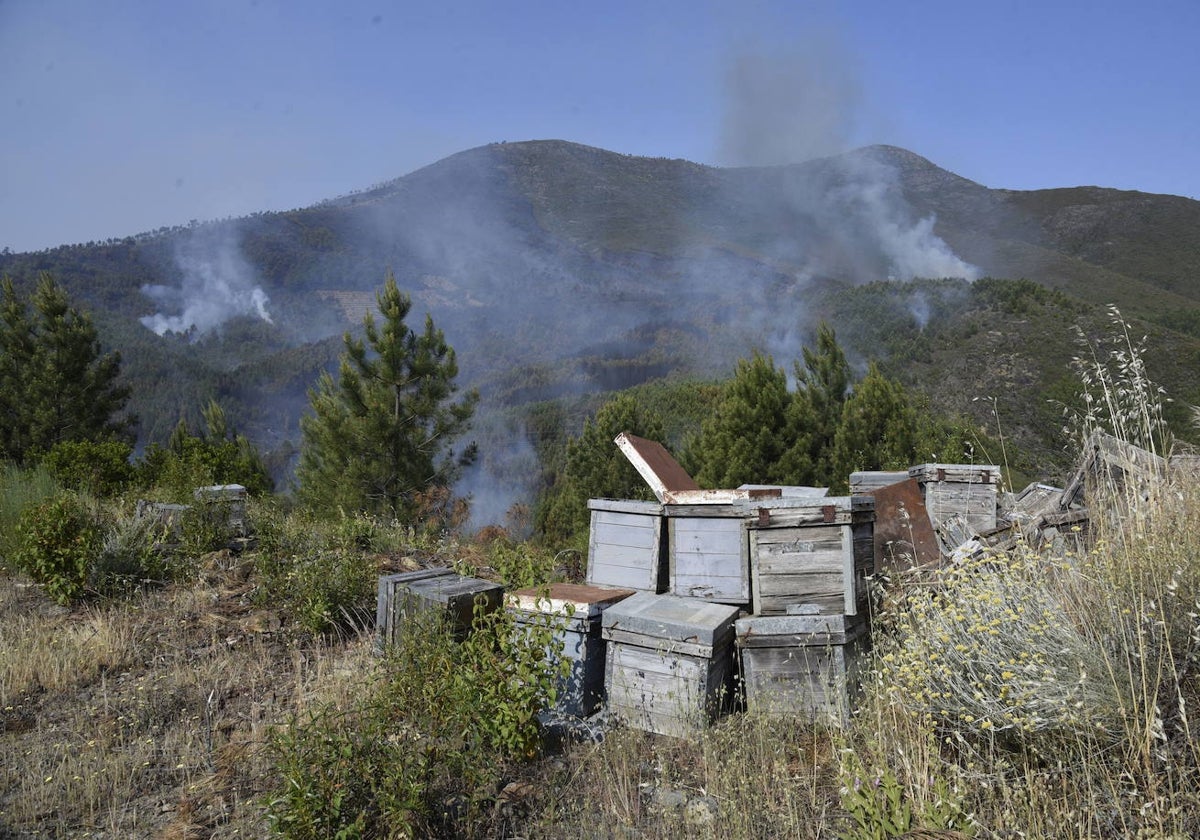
<point>709,559</point>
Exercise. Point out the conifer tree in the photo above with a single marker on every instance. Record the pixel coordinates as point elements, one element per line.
<point>756,434</point>
<point>381,434</point>
<point>55,382</point>
<point>596,469</point>
<point>823,381</point>
<point>878,429</point>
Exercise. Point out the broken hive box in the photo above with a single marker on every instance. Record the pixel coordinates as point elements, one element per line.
<point>968,490</point>
<point>573,613</point>
<point>627,545</point>
<point>812,552</point>
<point>805,665</point>
<point>411,596</point>
<point>669,663</point>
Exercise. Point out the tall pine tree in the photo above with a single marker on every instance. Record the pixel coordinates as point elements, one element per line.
<point>596,468</point>
<point>381,434</point>
<point>56,384</point>
<point>823,381</point>
<point>758,434</point>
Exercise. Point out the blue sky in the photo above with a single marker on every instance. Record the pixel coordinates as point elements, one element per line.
<point>127,115</point>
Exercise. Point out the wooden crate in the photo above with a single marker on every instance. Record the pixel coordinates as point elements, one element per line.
<point>627,545</point>
<point>968,490</point>
<point>708,556</point>
<point>574,611</point>
<point>868,480</point>
<point>802,664</point>
<point>403,597</point>
<point>815,552</point>
<point>669,663</point>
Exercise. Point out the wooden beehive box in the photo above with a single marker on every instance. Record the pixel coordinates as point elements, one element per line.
<point>968,490</point>
<point>627,545</point>
<point>804,665</point>
<point>403,597</point>
<point>814,552</point>
<point>574,612</point>
<point>867,480</point>
<point>669,662</point>
<point>708,556</point>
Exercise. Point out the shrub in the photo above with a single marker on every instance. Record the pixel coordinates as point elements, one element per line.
<point>58,543</point>
<point>423,749</point>
<point>324,589</point>
<point>98,467</point>
<point>130,555</point>
<point>20,489</point>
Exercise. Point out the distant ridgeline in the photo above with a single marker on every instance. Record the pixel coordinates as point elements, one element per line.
<point>558,271</point>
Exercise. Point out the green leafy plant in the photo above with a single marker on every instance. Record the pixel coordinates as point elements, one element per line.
<point>20,489</point>
<point>514,670</point>
<point>58,543</point>
<point>323,588</point>
<point>879,807</point>
<point>98,467</point>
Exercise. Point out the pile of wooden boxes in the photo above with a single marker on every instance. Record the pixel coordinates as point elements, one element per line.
<point>686,592</point>
<point>775,574</point>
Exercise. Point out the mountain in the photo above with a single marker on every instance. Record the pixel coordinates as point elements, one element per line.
<point>559,270</point>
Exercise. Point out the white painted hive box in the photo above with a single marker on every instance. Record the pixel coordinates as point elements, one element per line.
<point>807,665</point>
<point>627,545</point>
<point>966,490</point>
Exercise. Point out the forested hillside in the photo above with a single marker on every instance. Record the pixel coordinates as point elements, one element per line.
<point>559,271</point>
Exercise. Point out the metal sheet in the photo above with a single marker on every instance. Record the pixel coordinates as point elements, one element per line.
<point>904,536</point>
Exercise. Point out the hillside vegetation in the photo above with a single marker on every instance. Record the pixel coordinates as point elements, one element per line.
<point>559,271</point>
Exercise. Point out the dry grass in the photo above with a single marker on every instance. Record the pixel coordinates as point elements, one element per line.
<point>148,717</point>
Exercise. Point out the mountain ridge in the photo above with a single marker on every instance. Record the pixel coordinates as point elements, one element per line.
<point>560,269</point>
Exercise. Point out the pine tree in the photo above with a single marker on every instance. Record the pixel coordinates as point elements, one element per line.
<point>878,429</point>
<point>55,382</point>
<point>824,381</point>
<point>596,469</point>
<point>380,435</point>
<point>756,435</point>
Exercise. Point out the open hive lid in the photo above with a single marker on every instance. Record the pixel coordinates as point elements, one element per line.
<point>671,483</point>
<point>672,618</point>
<point>581,600</point>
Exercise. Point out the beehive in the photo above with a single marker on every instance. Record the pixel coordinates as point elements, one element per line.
<point>627,545</point>
<point>403,597</point>
<point>573,612</point>
<point>968,490</point>
<point>815,552</point>
<point>804,665</point>
<point>708,556</point>
<point>669,662</point>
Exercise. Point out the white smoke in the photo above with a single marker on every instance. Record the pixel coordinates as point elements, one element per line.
<point>871,196</point>
<point>217,284</point>
<point>788,105</point>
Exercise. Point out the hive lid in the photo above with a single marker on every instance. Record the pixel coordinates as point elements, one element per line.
<point>447,588</point>
<point>966,473</point>
<point>587,601</point>
<point>672,618</point>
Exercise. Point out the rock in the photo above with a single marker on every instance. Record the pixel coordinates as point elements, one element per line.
<point>701,812</point>
<point>659,798</point>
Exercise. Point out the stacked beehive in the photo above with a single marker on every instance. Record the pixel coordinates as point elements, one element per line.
<point>763,552</point>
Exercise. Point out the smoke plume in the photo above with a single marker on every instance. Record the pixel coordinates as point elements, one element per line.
<point>787,106</point>
<point>216,284</point>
